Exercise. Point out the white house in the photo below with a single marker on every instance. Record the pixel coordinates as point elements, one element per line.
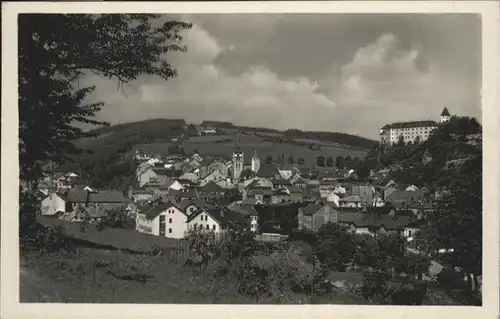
<point>350,201</point>
<point>214,176</point>
<point>203,220</point>
<point>146,176</point>
<point>53,205</point>
<point>333,198</point>
<point>162,219</point>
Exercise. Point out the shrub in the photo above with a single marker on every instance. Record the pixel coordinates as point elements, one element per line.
<point>450,279</point>
<point>375,284</point>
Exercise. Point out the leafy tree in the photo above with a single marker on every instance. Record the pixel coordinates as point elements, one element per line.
<point>269,159</point>
<point>55,51</point>
<point>300,161</point>
<point>290,159</point>
<point>335,246</point>
<point>320,161</point>
<point>329,161</point>
<point>339,162</point>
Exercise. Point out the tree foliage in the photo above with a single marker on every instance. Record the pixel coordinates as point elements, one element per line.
<point>320,161</point>
<point>56,51</point>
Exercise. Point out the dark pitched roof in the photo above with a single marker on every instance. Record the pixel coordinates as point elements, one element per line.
<point>294,189</point>
<point>409,197</point>
<point>280,181</point>
<point>104,196</point>
<point>191,193</point>
<point>267,170</point>
<point>221,215</point>
<point>374,220</point>
<point>211,188</point>
<point>155,209</point>
<point>410,124</point>
<point>311,208</point>
<point>445,112</point>
<point>183,204</point>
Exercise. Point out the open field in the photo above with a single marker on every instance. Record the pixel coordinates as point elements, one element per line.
<point>113,238</point>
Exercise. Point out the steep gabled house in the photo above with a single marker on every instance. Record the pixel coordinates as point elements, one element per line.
<point>374,224</point>
<point>315,215</point>
<point>140,194</point>
<point>110,198</point>
<point>216,220</point>
<point>280,196</point>
<point>298,181</point>
<point>268,170</point>
<point>191,206</point>
<point>406,199</point>
<point>54,205</point>
<point>214,176</point>
<point>295,193</point>
<point>162,219</point>
<point>249,213</point>
<point>211,190</point>
<point>280,183</point>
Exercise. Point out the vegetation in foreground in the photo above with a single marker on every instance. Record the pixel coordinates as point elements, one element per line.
<point>235,270</point>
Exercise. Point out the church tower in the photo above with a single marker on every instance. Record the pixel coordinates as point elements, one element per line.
<point>445,116</point>
<point>237,164</point>
<point>255,162</point>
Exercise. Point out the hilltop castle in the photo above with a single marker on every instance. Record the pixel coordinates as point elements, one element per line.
<point>411,131</point>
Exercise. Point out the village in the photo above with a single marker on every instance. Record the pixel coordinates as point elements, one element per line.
<point>176,194</point>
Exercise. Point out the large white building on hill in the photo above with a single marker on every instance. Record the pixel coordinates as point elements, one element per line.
<point>390,133</point>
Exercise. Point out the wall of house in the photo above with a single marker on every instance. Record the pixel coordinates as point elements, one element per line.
<point>191,209</point>
<point>141,197</point>
<point>295,197</point>
<point>143,225</point>
<point>146,176</point>
<point>175,223</point>
<point>212,177</point>
<point>205,222</point>
<point>350,204</point>
<point>53,204</point>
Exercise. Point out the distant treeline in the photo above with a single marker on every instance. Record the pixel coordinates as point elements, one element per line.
<point>147,125</point>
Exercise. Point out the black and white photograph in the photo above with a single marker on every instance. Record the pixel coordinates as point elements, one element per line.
<point>251,158</point>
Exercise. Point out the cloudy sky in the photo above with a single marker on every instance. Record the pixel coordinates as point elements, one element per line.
<point>336,72</point>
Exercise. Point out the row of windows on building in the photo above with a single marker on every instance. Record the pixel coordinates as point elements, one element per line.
<point>207,227</point>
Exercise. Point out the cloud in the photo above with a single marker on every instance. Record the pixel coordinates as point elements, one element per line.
<point>384,81</point>
<point>205,91</point>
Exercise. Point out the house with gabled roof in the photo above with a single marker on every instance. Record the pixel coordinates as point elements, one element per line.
<point>54,205</point>
<point>162,219</point>
<point>216,220</point>
<point>190,206</point>
<point>211,190</point>
<point>315,215</point>
<point>268,170</point>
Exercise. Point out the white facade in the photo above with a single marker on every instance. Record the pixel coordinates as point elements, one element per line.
<point>390,134</point>
<point>171,223</point>
<point>204,222</point>
<point>53,204</point>
<point>146,176</point>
